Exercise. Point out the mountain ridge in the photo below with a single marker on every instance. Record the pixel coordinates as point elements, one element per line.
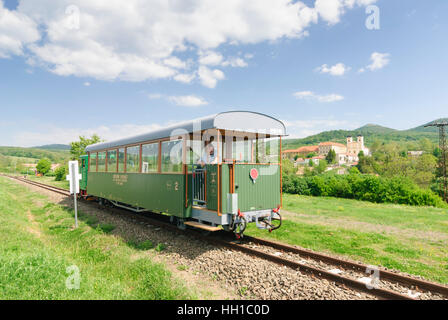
<point>55,146</point>
<point>371,133</point>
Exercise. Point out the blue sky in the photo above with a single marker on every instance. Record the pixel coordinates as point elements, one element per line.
<point>113,76</point>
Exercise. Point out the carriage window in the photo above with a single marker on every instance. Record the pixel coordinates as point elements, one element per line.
<point>93,162</point>
<point>242,150</point>
<point>121,160</point>
<point>101,161</point>
<point>150,157</point>
<point>112,161</point>
<point>267,150</point>
<point>172,156</point>
<point>133,159</point>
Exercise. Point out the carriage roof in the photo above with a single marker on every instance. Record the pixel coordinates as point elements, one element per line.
<point>242,121</point>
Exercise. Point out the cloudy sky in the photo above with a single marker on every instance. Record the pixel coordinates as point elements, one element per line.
<point>116,68</point>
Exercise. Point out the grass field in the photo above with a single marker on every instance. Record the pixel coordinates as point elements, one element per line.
<point>39,247</point>
<point>407,238</point>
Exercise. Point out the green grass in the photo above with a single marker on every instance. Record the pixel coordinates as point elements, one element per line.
<point>408,238</point>
<point>38,243</point>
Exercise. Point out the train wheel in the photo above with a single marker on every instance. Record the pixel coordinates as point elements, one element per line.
<point>240,227</point>
<point>180,224</point>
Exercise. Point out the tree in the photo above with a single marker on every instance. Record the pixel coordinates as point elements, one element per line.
<point>78,148</point>
<point>354,170</point>
<point>331,156</point>
<point>322,166</point>
<point>60,173</point>
<point>43,166</point>
<point>288,167</point>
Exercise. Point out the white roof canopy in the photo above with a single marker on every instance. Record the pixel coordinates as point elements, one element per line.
<point>242,121</point>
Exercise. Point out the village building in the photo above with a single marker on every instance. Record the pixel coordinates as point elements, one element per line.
<point>339,149</point>
<point>299,152</point>
<point>345,154</point>
<point>354,147</point>
<point>415,153</point>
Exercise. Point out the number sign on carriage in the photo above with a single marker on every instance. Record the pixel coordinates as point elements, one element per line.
<point>74,178</point>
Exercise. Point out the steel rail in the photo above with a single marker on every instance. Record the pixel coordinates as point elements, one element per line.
<point>384,274</point>
<point>42,185</point>
<point>354,284</point>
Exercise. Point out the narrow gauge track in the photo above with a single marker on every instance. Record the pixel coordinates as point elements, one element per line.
<point>223,239</point>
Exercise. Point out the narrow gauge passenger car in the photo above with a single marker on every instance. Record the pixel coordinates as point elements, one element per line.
<point>221,170</point>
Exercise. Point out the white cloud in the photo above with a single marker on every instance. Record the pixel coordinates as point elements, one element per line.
<point>175,63</point>
<point>185,77</point>
<point>16,30</point>
<point>188,101</point>
<point>211,58</point>
<point>154,96</point>
<point>50,134</point>
<point>332,10</point>
<point>87,84</point>
<point>309,95</point>
<point>235,62</point>
<point>183,101</point>
<point>139,40</point>
<point>379,61</point>
<point>338,69</point>
<point>208,77</point>
<point>305,128</point>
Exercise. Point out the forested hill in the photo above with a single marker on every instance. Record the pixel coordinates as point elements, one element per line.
<point>371,133</point>
<point>53,155</point>
<point>53,147</point>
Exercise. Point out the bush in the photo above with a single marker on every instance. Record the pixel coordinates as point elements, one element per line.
<point>363,187</point>
<point>61,173</point>
<point>50,174</point>
<point>43,166</point>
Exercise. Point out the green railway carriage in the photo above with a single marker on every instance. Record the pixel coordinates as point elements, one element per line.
<point>221,170</point>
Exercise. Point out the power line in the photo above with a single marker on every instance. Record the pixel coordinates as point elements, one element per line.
<point>442,125</point>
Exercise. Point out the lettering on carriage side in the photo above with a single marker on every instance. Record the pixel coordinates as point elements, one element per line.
<point>176,186</point>
<point>120,179</point>
<point>213,175</point>
<point>169,185</point>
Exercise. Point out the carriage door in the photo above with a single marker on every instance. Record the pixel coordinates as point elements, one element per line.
<point>199,177</point>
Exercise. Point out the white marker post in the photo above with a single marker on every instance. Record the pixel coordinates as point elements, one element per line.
<point>74,178</point>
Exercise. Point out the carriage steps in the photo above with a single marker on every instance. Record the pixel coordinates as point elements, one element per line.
<point>201,226</point>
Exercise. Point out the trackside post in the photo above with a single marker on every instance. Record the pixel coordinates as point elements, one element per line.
<point>74,178</point>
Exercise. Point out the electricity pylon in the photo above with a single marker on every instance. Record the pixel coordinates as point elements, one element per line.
<point>442,125</point>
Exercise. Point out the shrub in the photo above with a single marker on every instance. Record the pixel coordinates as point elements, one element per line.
<point>61,173</point>
<point>363,187</point>
<point>43,166</point>
<point>50,174</point>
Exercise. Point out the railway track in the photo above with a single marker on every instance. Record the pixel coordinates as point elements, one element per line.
<point>306,261</point>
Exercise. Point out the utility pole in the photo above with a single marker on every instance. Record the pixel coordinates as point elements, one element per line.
<point>443,161</point>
